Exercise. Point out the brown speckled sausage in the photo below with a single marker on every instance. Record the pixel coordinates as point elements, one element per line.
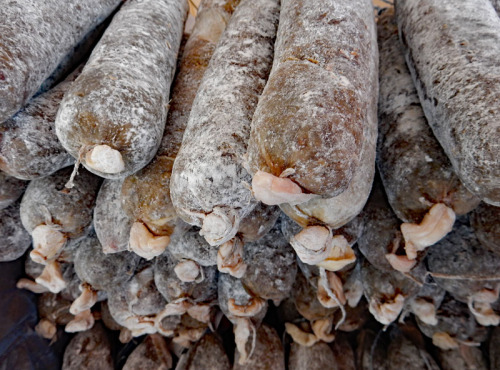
<point>452,53</point>
<point>113,116</point>
<point>313,117</point>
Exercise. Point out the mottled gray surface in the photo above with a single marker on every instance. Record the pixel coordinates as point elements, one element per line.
<point>455,319</point>
<point>172,288</point>
<point>15,240</point>
<point>452,50</point>
<point>271,266</point>
<point>34,39</point>
<point>208,171</point>
<point>268,353</point>
<point>207,353</point>
<point>46,202</point>
<point>317,357</point>
<point>103,271</point>
<point>111,223</point>
<point>121,97</point>
<point>485,221</point>
<point>467,264</point>
<point>10,189</point>
<point>29,147</point>
<point>191,245</point>
<point>151,354</point>
<point>414,168</point>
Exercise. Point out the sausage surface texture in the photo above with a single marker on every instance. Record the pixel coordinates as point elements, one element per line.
<point>35,37</point>
<point>452,51</point>
<point>113,116</point>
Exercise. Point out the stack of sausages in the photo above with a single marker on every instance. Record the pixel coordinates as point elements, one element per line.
<point>301,167</point>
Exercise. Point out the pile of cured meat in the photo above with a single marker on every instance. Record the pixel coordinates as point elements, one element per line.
<point>297,184</point>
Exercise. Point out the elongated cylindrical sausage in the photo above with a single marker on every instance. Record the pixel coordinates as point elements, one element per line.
<point>113,116</point>
<point>34,39</point>
<point>146,194</point>
<point>418,177</point>
<point>314,115</point>
<point>452,51</point>
<point>208,180</point>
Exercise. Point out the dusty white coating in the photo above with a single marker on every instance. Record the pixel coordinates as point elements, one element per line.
<point>103,158</point>
<point>436,224</point>
<point>452,53</point>
<point>312,116</point>
<point>29,147</point>
<point>48,242</point>
<point>15,239</point>
<point>33,41</point>
<point>208,170</point>
<point>413,167</point>
<point>111,223</point>
<point>121,97</point>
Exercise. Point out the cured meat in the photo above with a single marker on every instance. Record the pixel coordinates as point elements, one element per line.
<point>418,177</point>
<point>316,357</point>
<point>53,214</point>
<point>146,194</point>
<point>271,267</point>
<point>208,180</point>
<point>34,40</point>
<point>386,292</point>
<point>456,325</point>
<point>191,245</point>
<point>151,354</point>
<point>468,271</point>
<point>10,189</point>
<point>111,223</point>
<point>452,53</point>
<point>318,107</point>
<point>15,239</point>
<point>485,220</point>
<point>463,358</point>
<point>89,350</point>
<point>103,271</point>
<point>112,118</point>
<point>371,350</point>
<point>29,147</point>
<point>208,352</point>
<point>268,352</point>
